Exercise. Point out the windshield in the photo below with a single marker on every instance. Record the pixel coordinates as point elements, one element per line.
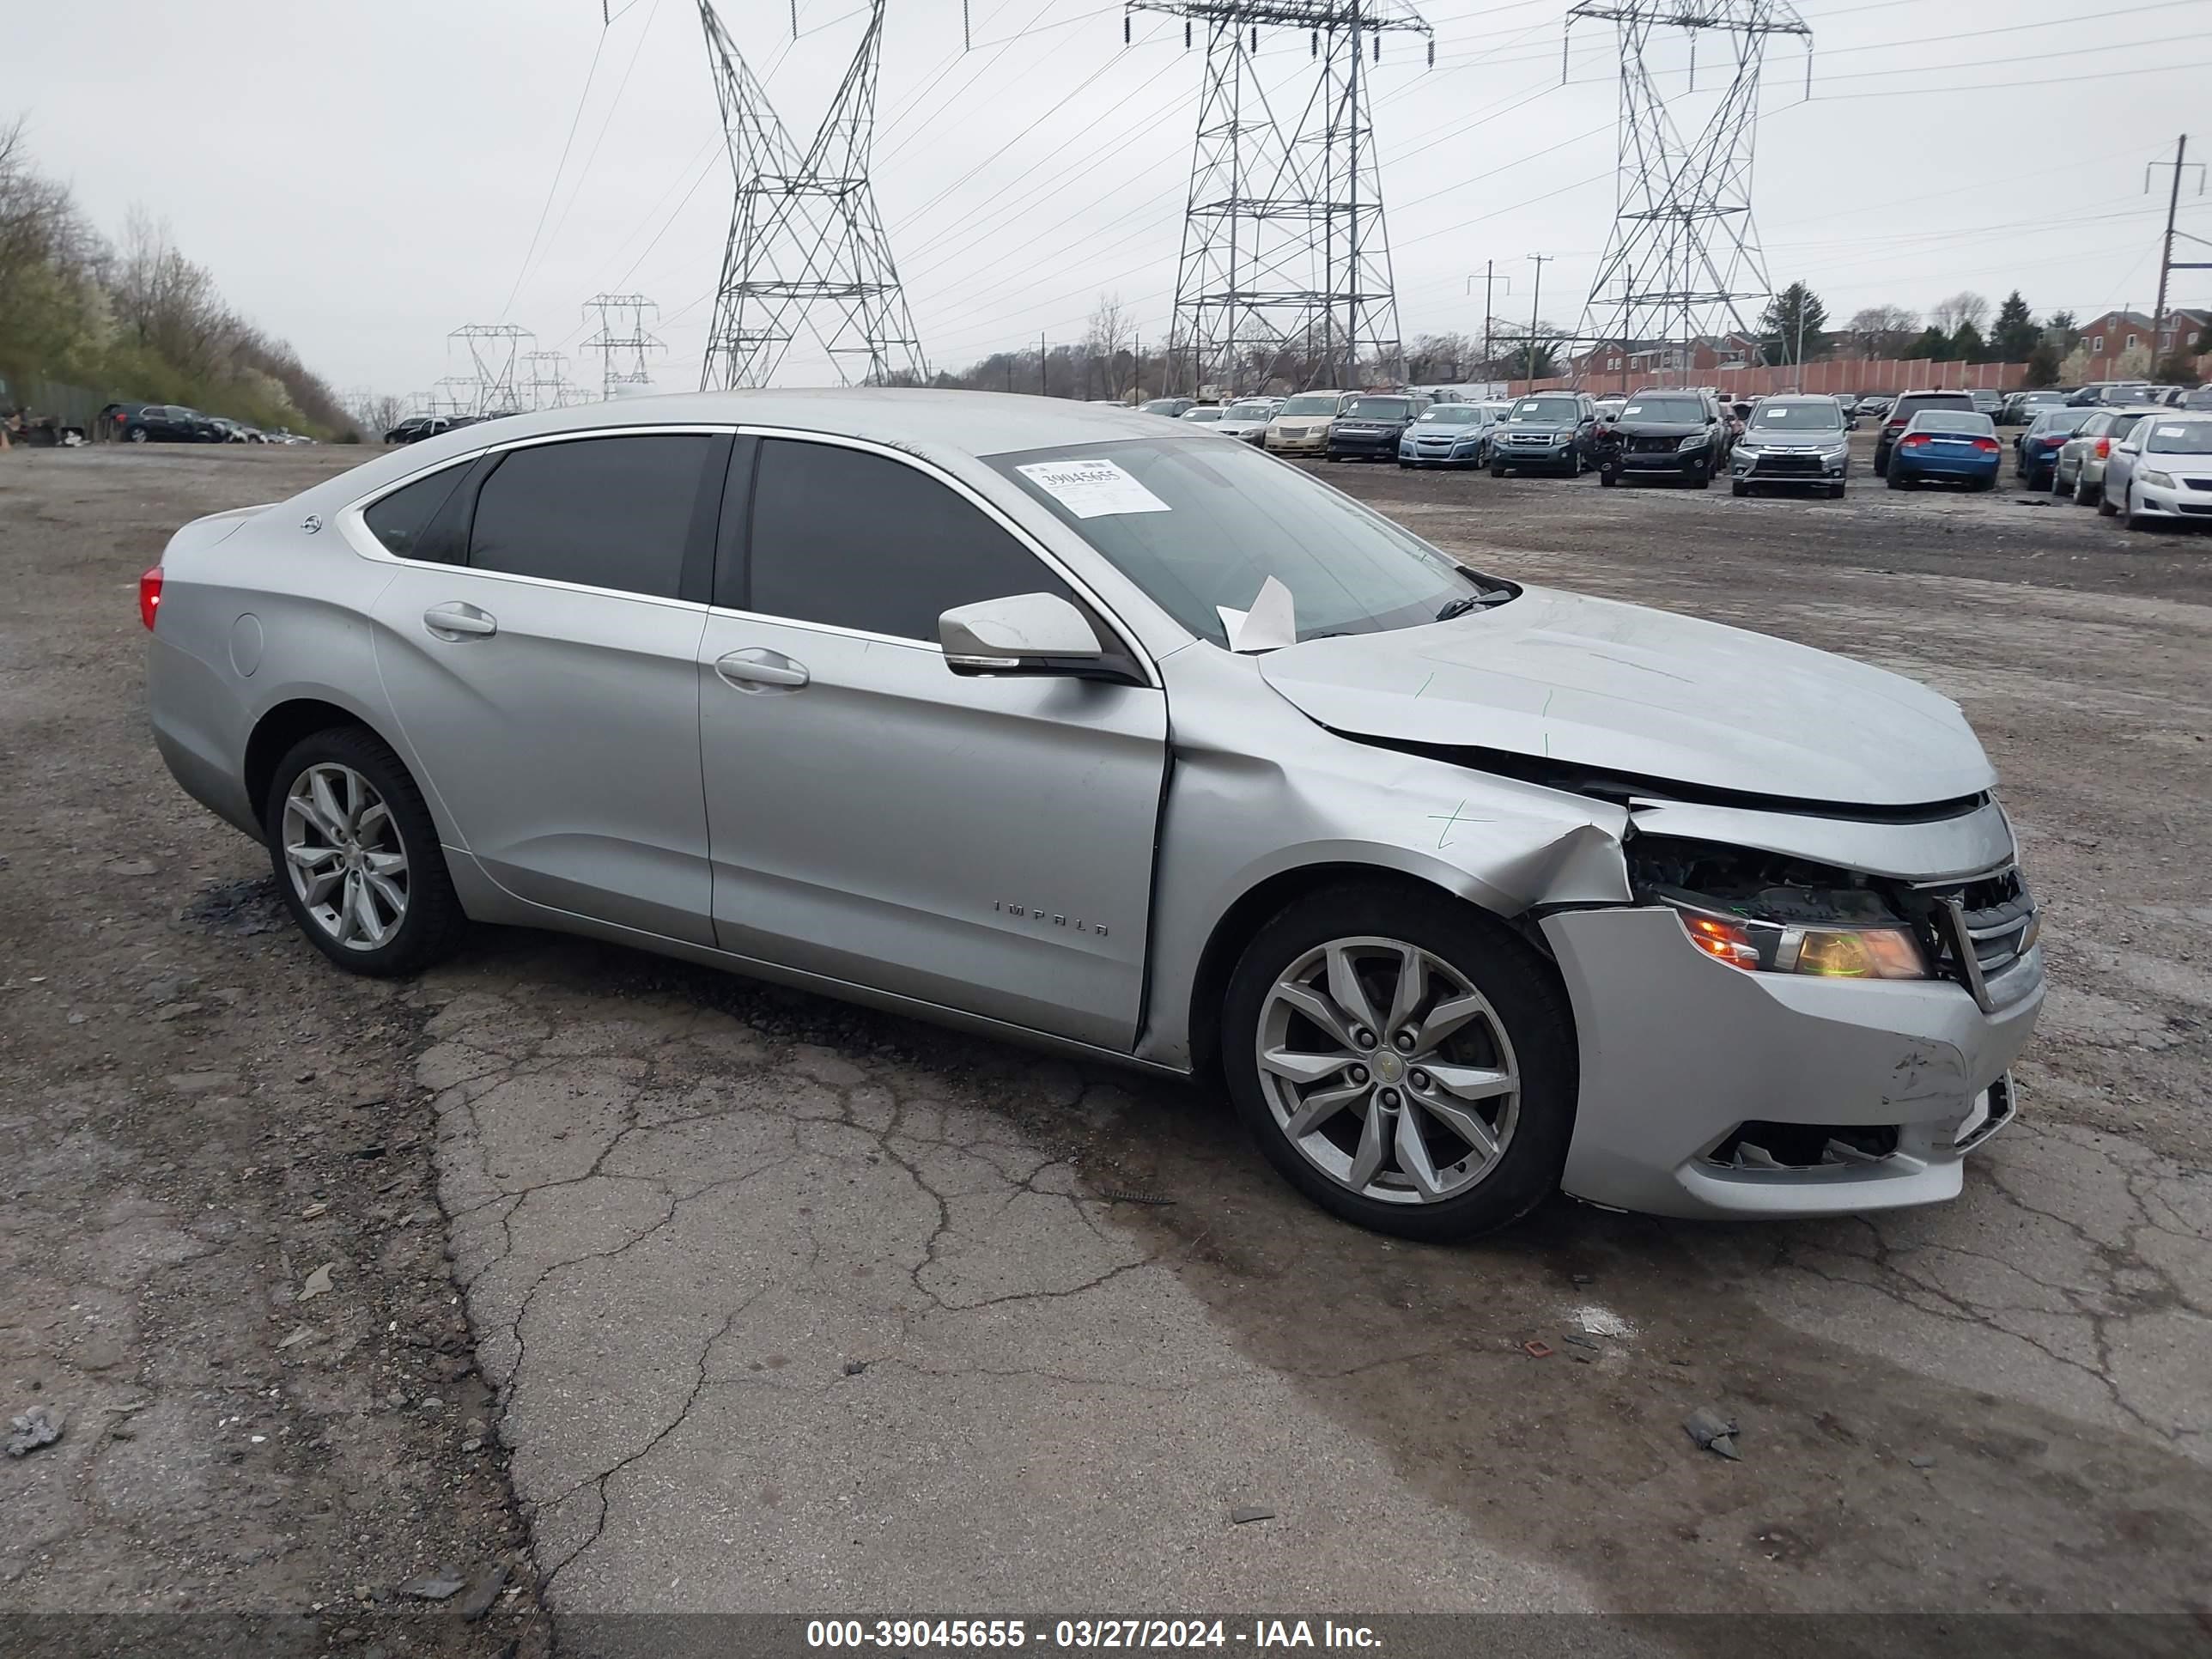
<point>1451,415</point>
<point>1663,409</point>
<point>1949,420</point>
<point>1258,409</point>
<point>1201,416</point>
<point>1200,526</point>
<point>1378,409</point>
<point>1312,402</point>
<point>2180,438</point>
<point>1823,417</point>
<point>1546,408</point>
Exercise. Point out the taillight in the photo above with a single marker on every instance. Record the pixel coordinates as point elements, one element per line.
<point>1912,442</point>
<point>1899,423</point>
<point>1990,444</point>
<point>2103,448</point>
<point>150,595</point>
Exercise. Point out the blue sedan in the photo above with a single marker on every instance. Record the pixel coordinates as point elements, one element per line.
<point>1953,445</point>
<point>2039,444</point>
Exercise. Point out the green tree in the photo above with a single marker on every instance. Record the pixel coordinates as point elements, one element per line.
<point>2014,334</point>
<point>1779,323</point>
<point>2061,331</point>
<point>2043,363</point>
<point>1967,345</point>
<point>1933,343</point>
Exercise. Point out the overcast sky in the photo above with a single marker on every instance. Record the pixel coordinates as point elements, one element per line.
<point>364,178</point>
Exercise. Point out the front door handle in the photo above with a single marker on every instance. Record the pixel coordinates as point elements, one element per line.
<point>756,669</point>
<point>456,621</point>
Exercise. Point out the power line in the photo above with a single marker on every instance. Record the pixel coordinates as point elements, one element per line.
<point>558,168</point>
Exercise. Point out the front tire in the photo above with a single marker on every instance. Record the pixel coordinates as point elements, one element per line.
<point>1403,1060</point>
<point>2133,519</point>
<point>1738,487</point>
<point>1497,470</point>
<point>356,855</point>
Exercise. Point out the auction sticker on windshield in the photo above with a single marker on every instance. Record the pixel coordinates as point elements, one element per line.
<point>1093,488</point>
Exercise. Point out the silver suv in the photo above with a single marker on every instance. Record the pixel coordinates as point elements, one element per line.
<point>1091,729</point>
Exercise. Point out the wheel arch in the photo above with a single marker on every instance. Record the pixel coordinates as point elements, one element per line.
<point>284,724</point>
<point>1267,898</point>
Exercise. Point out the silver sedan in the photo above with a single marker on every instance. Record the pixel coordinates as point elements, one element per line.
<point>1085,728</point>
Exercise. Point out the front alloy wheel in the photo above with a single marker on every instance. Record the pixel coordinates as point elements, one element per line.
<point>1388,1070</point>
<point>1404,1059</point>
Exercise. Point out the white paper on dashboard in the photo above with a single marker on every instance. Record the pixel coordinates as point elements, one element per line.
<point>1093,488</point>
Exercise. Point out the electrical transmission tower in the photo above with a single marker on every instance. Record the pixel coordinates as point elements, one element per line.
<point>623,338</point>
<point>1683,255</point>
<point>806,243</point>
<point>545,384</point>
<point>495,351</point>
<point>455,394</point>
<point>1286,267</point>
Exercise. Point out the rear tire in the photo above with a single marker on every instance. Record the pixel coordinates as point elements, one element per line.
<point>339,876</point>
<point>1896,479</point>
<point>136,435</point>
<point>1519,1028</point>
<point>2085,493</point>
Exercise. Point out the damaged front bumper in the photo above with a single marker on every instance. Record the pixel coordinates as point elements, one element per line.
<point>1693,1072</point>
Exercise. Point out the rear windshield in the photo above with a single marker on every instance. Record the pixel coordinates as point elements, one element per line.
<point>2061,420</point>
<point>1909,406</point>
<point>1947,420</point>
<point>2180,438</point>
<point>1797,416</point>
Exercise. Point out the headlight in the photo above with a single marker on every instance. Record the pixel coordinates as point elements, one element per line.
<point>1769,914</point>
<point>2159,480</point>
<point>1828,952</point>
<point>1695,440</point>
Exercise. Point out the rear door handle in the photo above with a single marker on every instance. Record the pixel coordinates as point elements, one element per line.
<point>457,621</point>
<point>757,668</point>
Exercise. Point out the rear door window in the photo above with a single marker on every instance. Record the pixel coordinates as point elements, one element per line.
<point>858,540</point>
<point>629,512</point>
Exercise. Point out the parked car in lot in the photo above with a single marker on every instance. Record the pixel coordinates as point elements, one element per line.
<point>165,424</point>
<point>1988,400</point>
<point>1947,445</point>
<point>1371,424</point>
<point>2023,407</point>
<point>1681,436</point>
<point>1796,441</point>
<point>1546,431</point>
<point>2160,470</point>
<point>1899,414</point>
<point>1301,426</point>
<point>1201,414</point>
<point>1450,434</point>
<point>1608,408</point>
<point>2036,449</point>
<point>1248,417</point>
<point>1173,408</point>
<point>869,692</point>
<point>1876,403</point>
<point>1848,408</point>
<point>2200,397</point>
<point>416,428</point>
<point>2079,471</point>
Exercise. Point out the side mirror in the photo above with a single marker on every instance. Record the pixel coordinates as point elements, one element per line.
<point>1026,634</point>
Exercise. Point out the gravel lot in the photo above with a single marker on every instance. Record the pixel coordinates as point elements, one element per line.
<point>773,1304</point>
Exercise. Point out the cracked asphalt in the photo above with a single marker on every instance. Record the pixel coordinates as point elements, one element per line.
<point>788,1306</point>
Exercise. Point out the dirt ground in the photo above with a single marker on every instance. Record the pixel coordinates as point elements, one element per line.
<point>521,1365</point>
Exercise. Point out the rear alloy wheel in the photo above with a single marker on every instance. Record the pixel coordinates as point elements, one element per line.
<point>356,855</point>
<point>136,435</point>
<point>1405,1062</point>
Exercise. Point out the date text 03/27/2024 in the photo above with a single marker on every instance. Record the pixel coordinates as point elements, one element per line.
<point>947,1635</point>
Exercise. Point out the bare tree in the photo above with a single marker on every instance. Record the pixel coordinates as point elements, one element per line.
<point>1881,330</point>
<point>1107,337</point>
<point>1963,307</point>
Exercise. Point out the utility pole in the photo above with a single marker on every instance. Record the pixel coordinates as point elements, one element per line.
<point>1489,276</point>
<point>1044,388</point>
<point>2165,263</point>
<point>1802,296</point>
<point>1540,259</point>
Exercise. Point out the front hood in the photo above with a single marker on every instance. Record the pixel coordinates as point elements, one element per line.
<point>1621,688</point>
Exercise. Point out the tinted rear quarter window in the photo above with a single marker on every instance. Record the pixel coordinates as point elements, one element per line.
<point>422,519</point>
<point>858,540</point>
<point>611,512</point>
